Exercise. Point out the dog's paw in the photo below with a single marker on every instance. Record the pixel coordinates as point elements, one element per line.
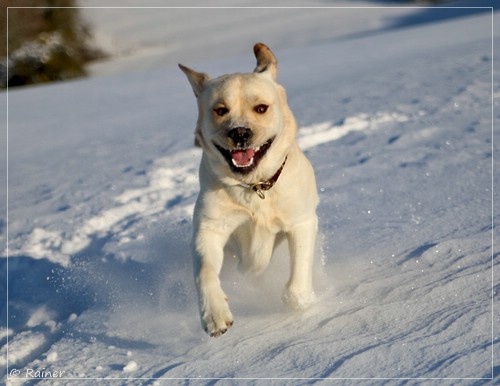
<point>298,300</point>
<point>218,331</point>
<point>216,320</point>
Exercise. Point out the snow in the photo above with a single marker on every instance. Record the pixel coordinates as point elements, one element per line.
<point>396,117</point>
<point>130,367</point>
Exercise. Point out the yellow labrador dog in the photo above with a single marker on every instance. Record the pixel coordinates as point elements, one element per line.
<point>256,185</point>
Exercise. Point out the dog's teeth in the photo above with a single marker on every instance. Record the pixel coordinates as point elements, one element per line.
<point>242,166</point>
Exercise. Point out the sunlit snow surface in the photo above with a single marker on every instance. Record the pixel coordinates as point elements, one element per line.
<point>103,179</point>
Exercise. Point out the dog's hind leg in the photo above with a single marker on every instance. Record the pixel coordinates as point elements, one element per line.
<point>299,291</point>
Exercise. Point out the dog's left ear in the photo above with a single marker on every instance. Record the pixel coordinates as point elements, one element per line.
<point>266,61</point>
<point>197,79</point>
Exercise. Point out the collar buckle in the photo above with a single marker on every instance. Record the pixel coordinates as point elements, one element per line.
<point>261,186</point>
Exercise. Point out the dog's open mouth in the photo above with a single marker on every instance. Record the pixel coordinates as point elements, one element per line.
<point>244,160</point>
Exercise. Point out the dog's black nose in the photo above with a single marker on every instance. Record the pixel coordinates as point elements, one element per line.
<point>241,136</point>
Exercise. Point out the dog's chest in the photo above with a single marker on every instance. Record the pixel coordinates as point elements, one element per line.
<point>263,213</point>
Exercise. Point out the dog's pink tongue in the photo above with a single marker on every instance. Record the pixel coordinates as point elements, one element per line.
<point>242,157</point>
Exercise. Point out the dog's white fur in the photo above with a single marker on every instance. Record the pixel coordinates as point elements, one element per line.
<point>228,210</point>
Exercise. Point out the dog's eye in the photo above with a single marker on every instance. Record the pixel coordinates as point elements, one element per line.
<point>260,109</point>
<point>221,111</point>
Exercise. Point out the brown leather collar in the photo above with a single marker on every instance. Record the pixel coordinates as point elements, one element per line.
<point>261,186</point>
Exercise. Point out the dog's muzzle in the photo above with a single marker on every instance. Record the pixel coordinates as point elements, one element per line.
<point>242,158</point>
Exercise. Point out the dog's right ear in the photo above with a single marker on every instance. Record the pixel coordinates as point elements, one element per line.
<point>266,61</point>
<point>197,79</point>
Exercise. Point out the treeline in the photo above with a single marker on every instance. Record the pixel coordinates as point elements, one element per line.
<point>46,41</point>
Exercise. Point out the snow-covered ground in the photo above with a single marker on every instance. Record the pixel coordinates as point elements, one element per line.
<point>395,114</point>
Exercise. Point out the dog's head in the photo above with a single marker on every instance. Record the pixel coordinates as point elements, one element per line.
<point>242,118</point>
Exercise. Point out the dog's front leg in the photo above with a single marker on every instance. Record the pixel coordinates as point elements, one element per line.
<point>215,315</point>
<point>299,291</point>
